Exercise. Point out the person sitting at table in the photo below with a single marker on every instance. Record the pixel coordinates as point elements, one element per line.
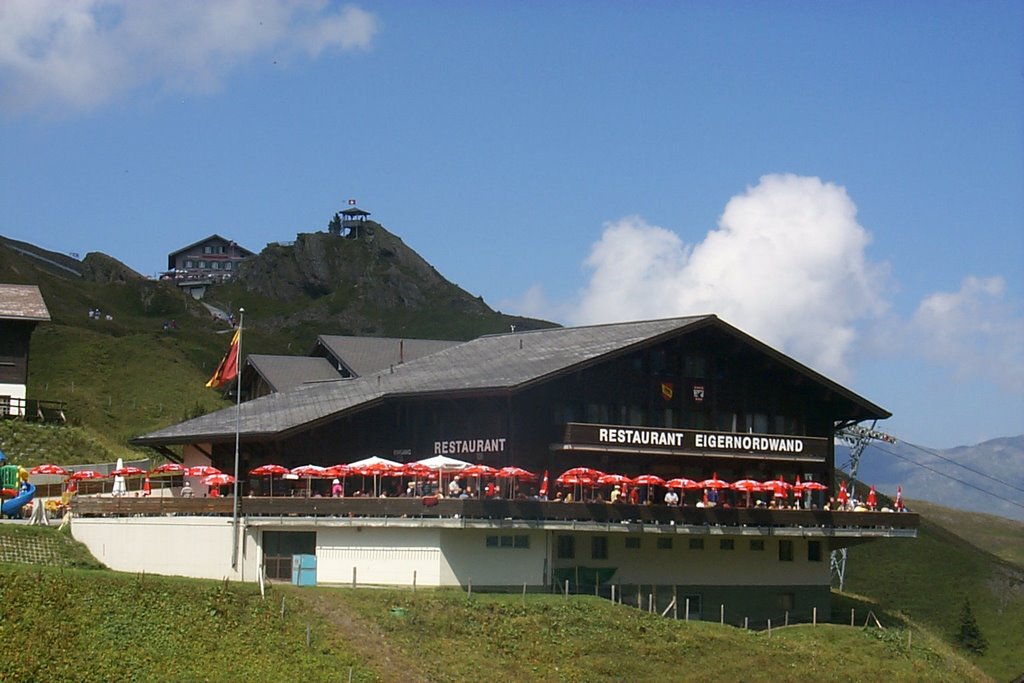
<point>186,490</point>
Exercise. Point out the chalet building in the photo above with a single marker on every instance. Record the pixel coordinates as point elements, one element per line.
<point>21,309</point>
<point>210,260</point>
<point>686,397</point>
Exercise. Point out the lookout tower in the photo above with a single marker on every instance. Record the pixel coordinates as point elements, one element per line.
<point>351,222</point>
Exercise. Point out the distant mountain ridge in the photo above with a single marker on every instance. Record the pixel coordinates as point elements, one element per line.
<point>937,476</point>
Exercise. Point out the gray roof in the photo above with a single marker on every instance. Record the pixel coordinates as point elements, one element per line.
<point>22,302</point>
<point>285,372</point>
<point>366,355</point>
<point>494,364</point>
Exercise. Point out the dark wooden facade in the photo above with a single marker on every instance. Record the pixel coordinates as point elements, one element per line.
<point>690,387</point>
<point>14,347</point>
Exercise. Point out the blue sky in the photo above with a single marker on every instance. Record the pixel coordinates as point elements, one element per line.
<point>843,180</point>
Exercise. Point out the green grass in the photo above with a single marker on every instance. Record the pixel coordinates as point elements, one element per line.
<point>1000,536</point>
<point>927,579</point>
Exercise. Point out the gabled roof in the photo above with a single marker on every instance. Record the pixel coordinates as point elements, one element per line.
<point>366,355</point>
<point>284,372</point>
<point>215,236</point>
<point>496,364</point>
<point>22,302</point>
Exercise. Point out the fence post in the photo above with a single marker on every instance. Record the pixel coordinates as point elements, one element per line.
<point>721,618</point>
<point>851,615</point>
<point>769,628</point>
<point>413,580</point>
<point>814,616</point>
<point>639,600</point>
<point>787,618</point>
<point>675,604</point>
<point>470,586</point>
<point>613,593</point>
<point>650,603</point>
<point>746,623</point>
<point>687,617</point>
<point>597,585</point>
<point>353,577</point>
<point>567,588</point>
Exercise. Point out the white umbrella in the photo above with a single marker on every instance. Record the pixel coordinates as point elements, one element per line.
<point>120,488</point>
<point>442,463</point>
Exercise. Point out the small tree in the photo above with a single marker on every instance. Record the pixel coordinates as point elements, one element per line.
<point>969,635</point>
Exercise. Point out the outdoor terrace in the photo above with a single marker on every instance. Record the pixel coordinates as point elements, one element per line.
<point>516,513</point>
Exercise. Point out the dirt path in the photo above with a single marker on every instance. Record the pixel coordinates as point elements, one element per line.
<point>390,664</point>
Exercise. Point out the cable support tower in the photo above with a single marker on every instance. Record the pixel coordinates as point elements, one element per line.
<point>857,437</point>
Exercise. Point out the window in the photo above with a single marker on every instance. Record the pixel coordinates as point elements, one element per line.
<point>207,249</point>
<point>757,544</point>
<point>566,549</point>
<point>696,544</point>
<point>814,551</point>
<point>664,544</point>
<point>508,541</point>
<point>227,265</point>
<point>215,265</point>
<point>785,551</point>
<point>189,263</point>
<point>633,542</point>
<point>727,544</point>
<point>599,547</point>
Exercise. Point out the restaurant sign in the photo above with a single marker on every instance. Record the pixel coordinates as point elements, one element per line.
<point>654,439</point>
<point>469,446</point>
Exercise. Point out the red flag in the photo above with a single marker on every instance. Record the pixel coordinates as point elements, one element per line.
<point>544,485</point>
<point>228,367</point>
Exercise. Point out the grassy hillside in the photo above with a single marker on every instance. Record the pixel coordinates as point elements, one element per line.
<point>929,577</point>
<point>75,625</point>
<point>1000,536</point>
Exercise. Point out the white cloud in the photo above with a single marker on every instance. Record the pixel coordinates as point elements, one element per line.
<point>786,264</point>
<point>974,330</point>
<point>79,54</point>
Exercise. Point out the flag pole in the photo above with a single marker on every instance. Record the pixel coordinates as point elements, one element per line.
<point>238,424</point>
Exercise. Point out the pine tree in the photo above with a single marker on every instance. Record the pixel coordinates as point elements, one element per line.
<point>969,635</point>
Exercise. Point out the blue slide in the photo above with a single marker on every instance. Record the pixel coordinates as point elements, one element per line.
<point>13,506</point>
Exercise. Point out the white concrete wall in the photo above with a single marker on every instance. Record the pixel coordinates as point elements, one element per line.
<point>199,547</point>
<point>711,566</point>
<point>15,391</point>
<point>467,558</point>
<point>380,556</point>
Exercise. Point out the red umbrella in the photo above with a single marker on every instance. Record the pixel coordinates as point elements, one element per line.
<point>201,471</point>
<point>682,483</point>
<point>515,474</point>
<point>611,479</point>
<point>337,471</point>
<point>309,471</point>
<point>843,498</point>
<point>480,471</point>
<point>649,480</point>
<point>128,471</point>
<point>168,468</point>
<point>219,479</point>
<point>49,469</point>
<point>811,486</point>
<point>80,475</point>
<point>872,498</point>
<point>747,486</point>
<point>714,483</point>
<point>584,475</point>
<point>268,470</point>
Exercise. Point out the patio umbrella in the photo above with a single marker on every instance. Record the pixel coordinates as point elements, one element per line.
<point>216,481</point>
<point>682,483</point>
<point>714,484</point>
<point>778,487</point>
<point>747,486</point>
<point>612,479</point>
<point>309,472</point>
<point>843,498</point>
<point>168,468</point>
<point>648,480</point>
<point>201,471</point>
<point>515,474</point>
<point>872,498</point>
<point>269,470</point>
<point>49,469</point>
<point>129,471</point>
<point>374,466</point>
<point>82,475</point>
<point>119,486</point>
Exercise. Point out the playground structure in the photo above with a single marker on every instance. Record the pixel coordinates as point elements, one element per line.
<point>17,490</point>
